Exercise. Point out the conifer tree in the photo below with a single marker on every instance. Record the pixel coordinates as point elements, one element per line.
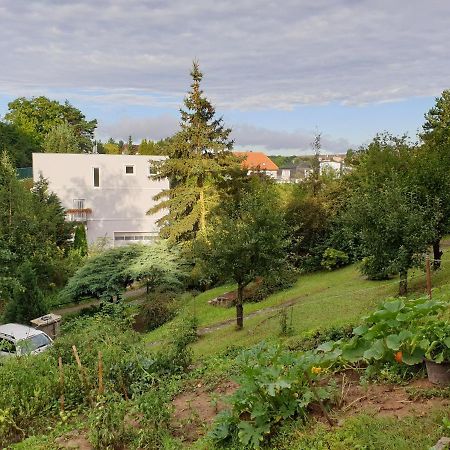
<point>199,159</point>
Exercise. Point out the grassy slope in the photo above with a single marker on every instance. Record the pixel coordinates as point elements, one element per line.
<point>321,299</point>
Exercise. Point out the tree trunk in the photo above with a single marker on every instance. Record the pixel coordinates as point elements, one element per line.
<point>202,212</point>
<point>437,254</point>
<point>240,308</point>
<point>403,286</point>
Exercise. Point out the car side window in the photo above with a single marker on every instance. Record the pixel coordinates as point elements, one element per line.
<point>7,346</point>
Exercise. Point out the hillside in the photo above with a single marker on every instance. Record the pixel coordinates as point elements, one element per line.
<point>168,400</point>
<point>317,301</point>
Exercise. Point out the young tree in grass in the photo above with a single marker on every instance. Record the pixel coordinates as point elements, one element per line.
<point>248,240</point>
<point>432,165</point>
<point>393,227</point>
<point>199,156</point>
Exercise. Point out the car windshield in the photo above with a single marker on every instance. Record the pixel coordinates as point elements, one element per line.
<point>33,343</point>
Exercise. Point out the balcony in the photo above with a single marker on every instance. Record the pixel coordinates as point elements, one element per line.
<point>78,214</point>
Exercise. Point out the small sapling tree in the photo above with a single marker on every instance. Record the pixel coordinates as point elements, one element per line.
<point>248,240</point>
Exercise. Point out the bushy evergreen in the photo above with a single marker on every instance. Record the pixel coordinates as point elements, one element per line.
<point>199,158</point>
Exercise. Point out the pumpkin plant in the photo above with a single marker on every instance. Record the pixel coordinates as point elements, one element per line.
<point>273,385</point>
<point>396,331</point>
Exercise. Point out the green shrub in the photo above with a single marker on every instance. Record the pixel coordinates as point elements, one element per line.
<point>28,393</point>
<point>273,282</point>
<point>333,259</point>
<point>107,426</point>
<point>273,385</point>
<point>158,309</point>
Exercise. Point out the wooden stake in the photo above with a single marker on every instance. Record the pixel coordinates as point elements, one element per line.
<point>100,373</point>
<point>61,383</point>
<point>428,269</point>
<point>83,377</point>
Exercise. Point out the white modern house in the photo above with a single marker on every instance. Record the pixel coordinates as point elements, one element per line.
<point>110,194</point>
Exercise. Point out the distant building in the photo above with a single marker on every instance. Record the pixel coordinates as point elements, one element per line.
<point>109,194</point>
<point>333,163</point>
<point>258,162</point>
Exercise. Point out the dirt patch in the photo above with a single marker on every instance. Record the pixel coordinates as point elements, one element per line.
<point>74,440</point>
<point>386,400</point>
<point>195,410</point>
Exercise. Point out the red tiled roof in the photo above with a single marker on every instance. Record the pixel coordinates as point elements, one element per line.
<point>256,161</point>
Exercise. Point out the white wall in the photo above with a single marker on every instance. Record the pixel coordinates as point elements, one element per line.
<point>330,165</point>
<point>121,201</point>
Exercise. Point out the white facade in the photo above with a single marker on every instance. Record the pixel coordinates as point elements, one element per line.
<point>111,194</point>
<point>326,166</point>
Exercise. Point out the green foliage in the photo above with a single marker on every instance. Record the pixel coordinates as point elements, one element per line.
<point>400,330</point>
<point>333,259</point>
<point>159,266</point>
<point>80,240</point>
<point>161,147</point>
<point>364,432</point>
<point>390,216</point>
<point>33,229</point>
<point>158,309</point>
<point>273,386</point>
<point>28,393</point>
<point>35,118</point>
<point>199,158</point>
<point>103,276</point>
<point>107,427</point>
<point>61,139</point>
<point>106,275</point>
<point>17,144</point>
<point>393,227</point>
<point>248,240</point>
<point>27,301</point>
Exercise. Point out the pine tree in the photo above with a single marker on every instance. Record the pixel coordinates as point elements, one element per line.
<point>199,158</point>
<point>28,300</point>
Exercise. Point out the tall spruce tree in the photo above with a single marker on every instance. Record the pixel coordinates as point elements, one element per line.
<point>199,159</point>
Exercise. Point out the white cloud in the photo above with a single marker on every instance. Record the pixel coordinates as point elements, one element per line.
<point>256,54</point>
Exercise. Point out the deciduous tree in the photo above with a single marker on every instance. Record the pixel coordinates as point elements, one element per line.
<point>248,240</point>
<point>61,139</point>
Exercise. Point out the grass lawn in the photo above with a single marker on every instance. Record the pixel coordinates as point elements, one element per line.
<point>319,300</point>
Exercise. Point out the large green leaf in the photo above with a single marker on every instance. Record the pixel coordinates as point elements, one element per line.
<point>394,306</point>
<point>393,342</point>
<point>416,357</point>
<point>376,351</point>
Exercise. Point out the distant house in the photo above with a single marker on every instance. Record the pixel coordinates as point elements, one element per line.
<point>333,163</point>
<point>258,162</point>
<point>109,194</point>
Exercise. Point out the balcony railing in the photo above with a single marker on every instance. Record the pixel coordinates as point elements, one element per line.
<point>78,214</point>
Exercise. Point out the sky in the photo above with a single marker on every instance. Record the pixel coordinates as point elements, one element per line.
<point>277,71</point>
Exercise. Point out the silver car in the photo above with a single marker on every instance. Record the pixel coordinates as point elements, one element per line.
<point>16,339</point>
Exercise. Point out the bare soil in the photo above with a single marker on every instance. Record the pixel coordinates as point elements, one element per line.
<point>195,410</point>
<point>74,440</point>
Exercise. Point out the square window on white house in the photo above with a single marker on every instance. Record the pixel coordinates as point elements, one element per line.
<point>129,170</point>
